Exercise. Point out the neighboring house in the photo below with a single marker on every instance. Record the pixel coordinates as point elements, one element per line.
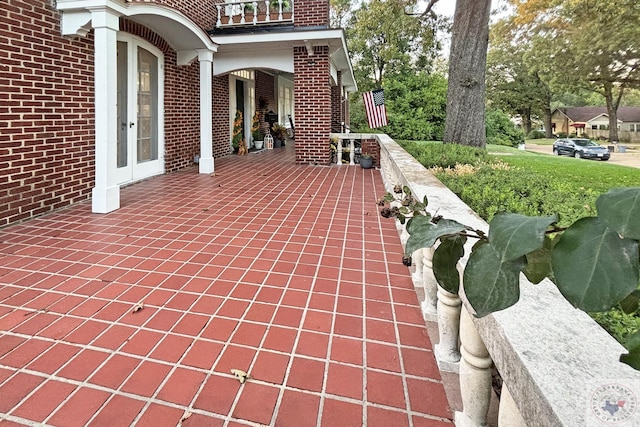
<point>96,94</point>
<point>593,122</point>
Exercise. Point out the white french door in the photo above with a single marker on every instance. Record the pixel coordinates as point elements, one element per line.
<point>140,150</point>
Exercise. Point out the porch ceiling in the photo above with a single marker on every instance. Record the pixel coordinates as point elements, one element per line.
<point>254,48</point>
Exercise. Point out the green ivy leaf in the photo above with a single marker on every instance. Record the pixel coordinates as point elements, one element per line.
<point>406,190</point>
<point>491,285</point>
<point>593,267</point>
<point>539,262</point>
<point>514,235</point>
<point>620,209</point>
<point>632,344</point>
<point>389,197</point>
<point>425,201</point>
<point>424,234</point>
<point>445,261</point>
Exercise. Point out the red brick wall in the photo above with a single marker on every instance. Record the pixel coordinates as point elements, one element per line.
<point>371,146</point>
<point>221,126</point>
<point>266,89</point>
<point>46,112</point>
<point>311,13</point>
<point>312,105</point>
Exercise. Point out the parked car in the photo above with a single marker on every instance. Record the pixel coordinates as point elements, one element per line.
<point>580,148</point>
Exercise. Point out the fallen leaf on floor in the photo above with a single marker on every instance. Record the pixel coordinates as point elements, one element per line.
<point>139,306</point>
<point>184,418</point>
<point>242,376</point>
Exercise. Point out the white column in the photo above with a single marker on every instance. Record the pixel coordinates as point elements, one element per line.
<point>106,193</point>
<point>352,153</point>
<point>475,375</point>
<point>416,275</point>
<point>206,111</point>
<point>509,415</point>
<point>430,285</point>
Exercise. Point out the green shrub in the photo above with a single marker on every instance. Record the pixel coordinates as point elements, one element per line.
<point>501,130</point>
<point>445,155</point>
<point>561,134</point>
<point>536,134</point>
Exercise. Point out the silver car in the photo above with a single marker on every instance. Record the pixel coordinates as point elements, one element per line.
<point>580,148</point>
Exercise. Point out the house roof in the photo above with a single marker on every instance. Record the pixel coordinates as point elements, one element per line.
<point>586,114</point>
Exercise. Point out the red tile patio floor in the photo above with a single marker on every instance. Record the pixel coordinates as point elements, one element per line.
<point>281,270</point>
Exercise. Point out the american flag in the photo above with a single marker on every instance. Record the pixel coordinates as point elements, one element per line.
<point>374,106</point>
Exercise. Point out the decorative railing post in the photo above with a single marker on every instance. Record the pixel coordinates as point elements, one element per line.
<point>509,415</point>
<point>268,18</point>
<point>430,286</point>
<point>352,153</point>
<point>219,21</point>
<point>417,265</point>
<point>475,375</point>
<point>339,151</point>
<point>447,351</point>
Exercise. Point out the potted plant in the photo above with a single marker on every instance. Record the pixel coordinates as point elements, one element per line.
<point>256,135</point>
<point>366,161</point>
<point>237,131</point>
<point>279,133</point>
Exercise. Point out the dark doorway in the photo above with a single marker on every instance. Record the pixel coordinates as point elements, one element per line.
<point>240,102</point>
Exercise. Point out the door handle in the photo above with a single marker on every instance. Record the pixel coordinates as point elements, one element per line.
<point>131,124</point>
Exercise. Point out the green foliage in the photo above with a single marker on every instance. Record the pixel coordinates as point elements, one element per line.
<point>501,130</point>
<point>594,268</point>
<point>536,134</point>
<point>416,106</point>
<point>444,155</point>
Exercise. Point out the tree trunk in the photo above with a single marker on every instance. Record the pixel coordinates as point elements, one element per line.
<point>548,124</point>
<point>465,123</point>
<point>612,111</point>
<point>525,114</point>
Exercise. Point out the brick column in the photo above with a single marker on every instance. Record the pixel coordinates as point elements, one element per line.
<point>337,116</point>
<point>312,104</point>
<point>311,13</point>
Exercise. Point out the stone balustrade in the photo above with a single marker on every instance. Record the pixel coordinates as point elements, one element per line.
<point>244,13</point>
<point>559,367</point>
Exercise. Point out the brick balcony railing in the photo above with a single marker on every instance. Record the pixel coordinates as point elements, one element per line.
<point>247,13</point>
<point>558,366</point>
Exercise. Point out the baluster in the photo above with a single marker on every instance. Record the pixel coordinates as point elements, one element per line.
<point>219,21</point>
<point>279,10</point>
<point>418,266</point>
<point>430,285</point>
<point>475,375</point>
<point>242,21</point>
<point>339,152</point>
<point>268,18</point>
<point>509,415</point>
<point>255,12</point>
<point>448,312</point>
<point>352,147</point>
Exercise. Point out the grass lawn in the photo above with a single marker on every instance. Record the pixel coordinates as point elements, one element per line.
<point>541,141</point>
<point>597,176</point>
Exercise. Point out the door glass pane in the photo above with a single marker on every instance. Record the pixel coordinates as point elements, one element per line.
<point>123,125</point>
<point>147,106</point>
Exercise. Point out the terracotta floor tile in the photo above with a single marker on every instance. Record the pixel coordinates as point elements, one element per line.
<point>298,410</point>
<point>306,374</point>
<point>181,386</point>
<point>83,365</point>
<point>146,378</point>
<point>270,367</point>
<point>429,422</point>
<point>202,354</point>
<point>115,371</point>
<point>25,353</point>
<point>312,344</point>
<point>343,414</point>
<point>222,289</point>
<point>44,401</point>
<point>54,358</point>
<point>156,415</point>
<point>218,394</point>
<point>386,389</point>
<point>257,403</point>
<point>79,408</point>
<point>428,397</point>
<point>16,389</point>
<point>382,356</point>
<point>381,417</point>
<point>234,357</point>
<point>119,410</point>
<point>344,381</point>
